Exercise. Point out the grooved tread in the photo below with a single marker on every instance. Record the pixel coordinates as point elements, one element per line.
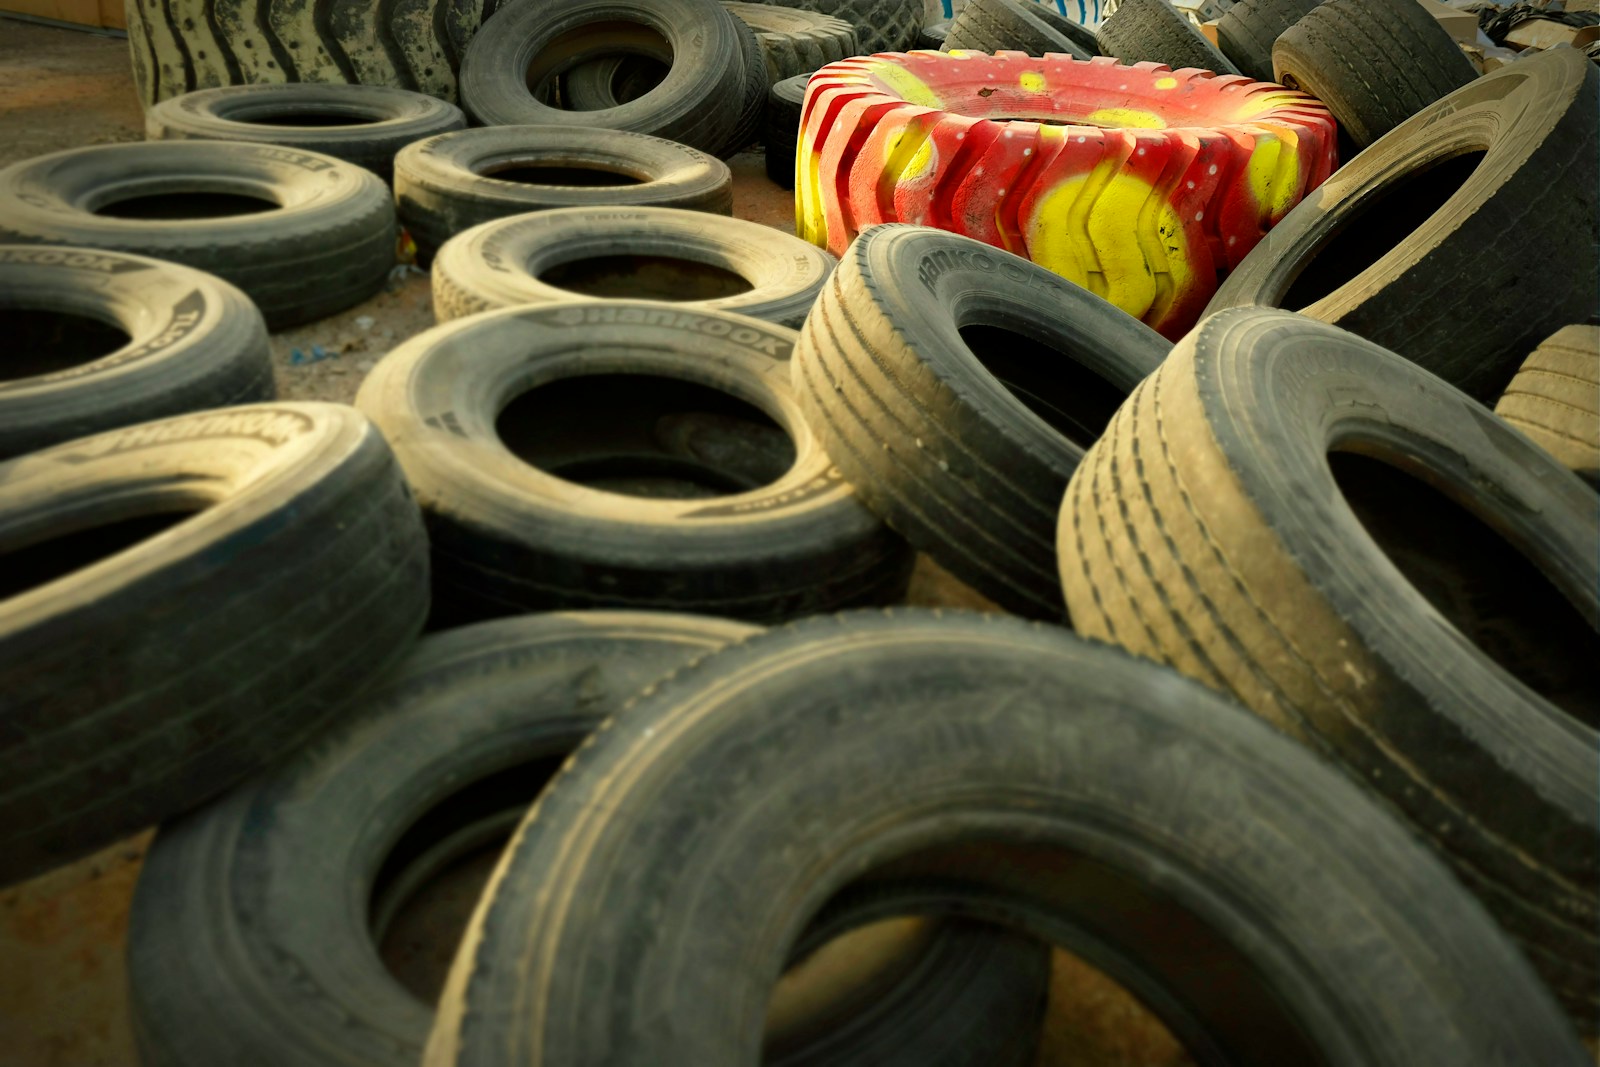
<point>1555,399</point>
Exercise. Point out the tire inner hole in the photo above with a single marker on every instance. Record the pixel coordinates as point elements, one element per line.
<point>309,119</point>
<point>32,565</point>
<point>45,342</point>
<point>645,277</point>
<point>647,436</point>
<point>571,174</point>
<point>1482,584</point>
<point>598,41</point>
<point>1369,234</point>
<point>186,205</point>
<point>1074,400</point>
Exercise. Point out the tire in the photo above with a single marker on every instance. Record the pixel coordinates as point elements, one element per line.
<point>1247,30</point>
<point>946,435</point>
<point>795,41</point>
<point>1011,772</point>
<point>1146,215</point>
<point>784,102</point>
<point>446,184</point>
<point>781,534</point>
<point>1070,28</point>
<point>183,341</point>
<point>179,46</point>
<point>384,120</point>
<point>1210,530</point>
<point>612,81</point>
<point>1373,62</point>
<point>697,104</point>
<point>995,25</point>
<point>446,741</point>
<point>328,245</point>
<point>303,577</point>
<point>1353,254</point>
<point>1153,31</point>
<point>1555,399</point>
<point>881,25</point>
<point>933,36</point>
<point>754,95</point>
<point>503,263</point>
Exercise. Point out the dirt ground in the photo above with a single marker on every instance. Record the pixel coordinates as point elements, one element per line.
<point>63,999</point>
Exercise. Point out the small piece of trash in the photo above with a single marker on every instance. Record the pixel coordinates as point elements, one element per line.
<point>365,322</point>
<point>298,358</point>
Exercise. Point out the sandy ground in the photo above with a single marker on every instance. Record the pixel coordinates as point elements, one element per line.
<point>63,998</point>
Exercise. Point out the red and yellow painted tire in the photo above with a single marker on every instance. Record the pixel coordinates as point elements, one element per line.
<point>1142,184</point>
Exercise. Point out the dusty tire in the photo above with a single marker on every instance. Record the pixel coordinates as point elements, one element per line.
<point>753,97</point>
<point>881,25</point>
<point>383,120</point>
<point>447,184</point>
<point>1259,515</point>
<point>329,243</point>
<point>1373,62</point>
<point>793,40</point>
<point>1555,399</point>
<point>1247,30</point>
<point>699,103</point>
<point>782,129</point>
<point>751,521</point>
<point>932,36</point>
<point>957,388</point>
<point>1353,254</point>
<point>183,341</point>
<point>182,45</point>
<point>302,577</point>
<point>1145,204</point>
<point>1153,31</point>
<point>1010,25</point>
<point>684,257</point>
<point>1010,771</point>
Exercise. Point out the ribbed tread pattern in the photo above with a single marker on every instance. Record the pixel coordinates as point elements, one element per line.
<point>1555,399</point>
<point>801,42</point>
<point>993,25</point>
<point>881,25</point>
<point>1152,31</point>
<point>1248,29</point>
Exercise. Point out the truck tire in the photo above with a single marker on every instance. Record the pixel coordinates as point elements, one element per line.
<point>1555,399</point>
<point>1153,31</point>
<point>448,184</point>
<point>794,40</point>
<point>1392,246</point>
<point>1248,29</point>
<point>881,25</point>
<point>183,341</point>
<point>1262,515</point>
<point>784,101</point>
<point>604,453</point>
<point>1012,772</point>
<point>301,233</point>
<point>1009,25</point>
<point>685,257</point>
<point>184,602</point>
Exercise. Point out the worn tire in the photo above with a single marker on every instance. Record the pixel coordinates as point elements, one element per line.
<point>385,120</point>
<point>699,103</point>
<point>192,341</point>
<point>782,130</point>
<point>881,25</point>
<point>510,536</point>
<point>793,40</point>
<point>1247,30</point>
<point>932,36</point>
<point>501,263</point>
<point>1211,530</point>
<point>1373,62</point>
<point>1013,772</point>
<point>328,245</point>
<point>1010,25</point>
<point>1353,254</point>
<point>138,683</point>
<point>446,184</point>
<point>753,98</point>
<point>1555,399</point>
<point>962,447</point>
<point>1153,31</point>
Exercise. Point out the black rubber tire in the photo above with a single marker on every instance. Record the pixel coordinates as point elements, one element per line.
<point>1247,30</point>
<point>446,184</point>
<point>753,98</point>
<point>501,263</point>
<point>881,25</point>
<point>1429,291</point>
<point>384,120</point>
<point>329,244</point>
<point>1211,530</point>
<point>141,682</point>
<point>933,439</point>
<point>795,41</point>
<point>509,536</point>
<point>1070,28</point>
<point>1153,31</point>
<point>433,760</point>
<point>1375,63</point>
<point>698,103</point>
<point>192,342</point>
<point>610,81</point>
<point>1010,25</point>
<point>782,132</point>
<point>1006,770</point>
<point>932,36</point>
<point>1555,399</point>
<point>182,45</point>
